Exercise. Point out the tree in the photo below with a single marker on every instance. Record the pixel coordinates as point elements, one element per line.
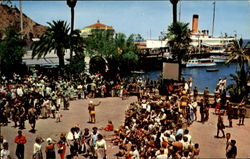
<point>118,50</point>
<point>239,53</point>
<point>77,62</point>
<point>100,43</point>
<point>179,39</point>
<point>55,38</point>
<point>77,43</point>
<point>11,52</point>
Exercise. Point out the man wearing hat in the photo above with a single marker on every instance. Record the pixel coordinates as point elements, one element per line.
<point>92,112</point>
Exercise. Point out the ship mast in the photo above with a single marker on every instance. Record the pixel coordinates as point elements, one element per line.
<point>213,19</point>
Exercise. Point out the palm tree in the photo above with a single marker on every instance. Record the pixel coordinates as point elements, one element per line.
<point>240,54</point>
<point>55,38</point>
<point>179,39</point>
<point>77,43</point>
<point>174,3</point>
<point>72,4</point>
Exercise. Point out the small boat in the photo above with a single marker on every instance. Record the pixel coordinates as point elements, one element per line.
<point>205,62</point>
<point>212,69</point>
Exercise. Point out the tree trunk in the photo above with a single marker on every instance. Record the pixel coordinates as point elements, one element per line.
<point>60,55</point>
<point>180,67</point>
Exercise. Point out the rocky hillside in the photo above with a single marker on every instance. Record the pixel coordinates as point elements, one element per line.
<point>11,17</point>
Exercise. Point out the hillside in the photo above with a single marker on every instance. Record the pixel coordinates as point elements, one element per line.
<point>11,17</point>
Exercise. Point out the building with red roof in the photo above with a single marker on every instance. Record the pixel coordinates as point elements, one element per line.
<point>88,30</point>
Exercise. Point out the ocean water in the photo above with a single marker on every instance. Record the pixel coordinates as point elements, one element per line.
<point>201,78</point>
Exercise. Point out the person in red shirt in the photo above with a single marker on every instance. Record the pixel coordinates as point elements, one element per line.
<point>20,140</point>
<point>110,126</point>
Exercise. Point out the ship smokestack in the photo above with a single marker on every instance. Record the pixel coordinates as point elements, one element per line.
<point>195,23</point>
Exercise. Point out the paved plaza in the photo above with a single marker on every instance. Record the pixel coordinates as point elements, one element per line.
<point>114,109</point>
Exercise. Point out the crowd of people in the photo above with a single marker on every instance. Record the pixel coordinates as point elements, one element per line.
<point>155,126</point>
<point>89,144</point>
<point>34,97</point>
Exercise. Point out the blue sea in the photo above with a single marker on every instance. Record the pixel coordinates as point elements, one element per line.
<point>201,78</point>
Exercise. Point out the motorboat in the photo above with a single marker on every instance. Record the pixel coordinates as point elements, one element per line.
<point>204,62</point>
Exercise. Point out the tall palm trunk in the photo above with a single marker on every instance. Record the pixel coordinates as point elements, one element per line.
<point>60,55</point>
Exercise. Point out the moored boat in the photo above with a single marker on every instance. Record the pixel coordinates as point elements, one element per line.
<point>212,69</point>
<point>219,59</point>
<point>205,62</point>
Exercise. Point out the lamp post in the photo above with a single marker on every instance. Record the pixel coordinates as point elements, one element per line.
<point>174,3</point>
<point>71,4</point>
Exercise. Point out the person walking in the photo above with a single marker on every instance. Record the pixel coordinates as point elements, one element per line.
<point>202,110</point>
<point>242,114</point>
<point>32,116</point>
<point>20,140</point>
<point>220,126</point>
<point>92,112</point>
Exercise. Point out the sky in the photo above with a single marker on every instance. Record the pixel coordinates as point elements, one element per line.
<point>148,18</point>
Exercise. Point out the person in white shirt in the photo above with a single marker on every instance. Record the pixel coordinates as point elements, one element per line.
<point>5,153</point>
<point>37,148</point>
<point>161,155</point>
<point>100,147</point>
<point>19,91</point>
<point>72,138</point>
<point>135,153</point>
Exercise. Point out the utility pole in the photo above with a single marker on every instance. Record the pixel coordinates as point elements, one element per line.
<point>213,19</point>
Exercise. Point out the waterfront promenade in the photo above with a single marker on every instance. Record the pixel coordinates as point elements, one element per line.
<point>113,109</point>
